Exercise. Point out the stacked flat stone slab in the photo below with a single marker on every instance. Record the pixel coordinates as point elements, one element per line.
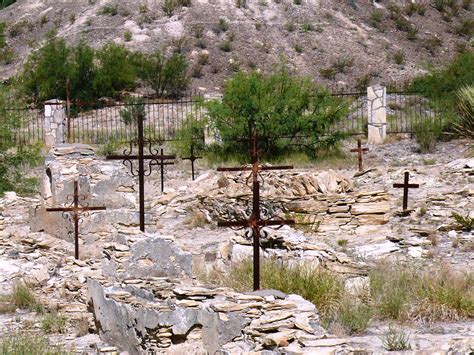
<point>377,114</point>
<point>100,181</point>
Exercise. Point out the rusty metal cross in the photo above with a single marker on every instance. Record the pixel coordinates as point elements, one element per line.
<point>76,208</point>
<point>405,186</point>
<point>255,222</point>
<point>192,158</point>
<point>161,161</point>
<point>360,151</point>
<point>153,157</point>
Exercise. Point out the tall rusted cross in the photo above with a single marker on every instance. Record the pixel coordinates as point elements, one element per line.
<point>162,162</point>
<point>192,158</point>
<point>360,151</point>
<point>255,222</point>
<point>405,186</point>
<point>153,157</point>
<point>76,208</point>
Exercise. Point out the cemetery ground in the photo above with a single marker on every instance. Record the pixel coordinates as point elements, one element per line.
<point>353,275</point>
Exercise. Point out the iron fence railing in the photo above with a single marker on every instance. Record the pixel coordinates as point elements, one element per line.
<point>98,123</point>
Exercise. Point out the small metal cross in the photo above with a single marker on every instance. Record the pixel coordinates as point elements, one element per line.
<point>192,158</point>
<point>161,162</point>
<point>76,208</point>
<point>255,222</point>
<point>405,186</point>
<point>360,151</point>
<point>153,158</point>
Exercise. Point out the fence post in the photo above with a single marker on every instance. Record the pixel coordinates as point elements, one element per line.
<point>54,122</point>
<point>376,114</point>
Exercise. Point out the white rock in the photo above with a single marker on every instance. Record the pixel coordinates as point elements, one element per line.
<point>415,252</point>
<point>452,234</point>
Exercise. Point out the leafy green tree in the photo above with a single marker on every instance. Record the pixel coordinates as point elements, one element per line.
<point>116,72</point>
<point>167,77</point>
<point>83,72</point>
<point>46,71</point>
<point>290,113</point>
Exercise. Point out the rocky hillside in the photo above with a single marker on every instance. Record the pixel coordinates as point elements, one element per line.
<point>331,40</point>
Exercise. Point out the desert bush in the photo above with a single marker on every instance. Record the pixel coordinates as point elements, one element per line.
<point>442,84</point>
<point>53,323</point>
<point>466,4</point>
<point>109,10</point>
<point>328,73</point>
<point>169,6</point>
<point>342,63</point>
<point>407,293</point>
<point>432,43</point>
<point>465,105</point>
<point>196,71</point>
<point>298,48</point>
<point>399,57</point>
<point>354,316</point>
<point>225,46</point>
<point>6,3</point>
<point>465,27</point>
<point>427,133</point>
<point>376,18</point>
<point>134,106</point>
<point>280,105</point>
<point>465,222</point>
<point>190,134</point>
<point>222,25</point>
<point>27,343</point>
<point>166,76</point>
<point>203,58</point>
<point>127,36</point>
<point>395,339</point>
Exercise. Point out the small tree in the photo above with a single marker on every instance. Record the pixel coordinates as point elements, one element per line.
<point>46,71</point>
<point>289,113</point>
<point>167,77</point>
<point>116,72</point>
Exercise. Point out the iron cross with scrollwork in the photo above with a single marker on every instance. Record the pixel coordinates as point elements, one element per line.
<point>153,159</point>
<point>255,222</point>
<point>77,209</point>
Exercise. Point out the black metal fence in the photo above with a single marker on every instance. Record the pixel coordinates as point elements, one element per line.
<point>98,123</point>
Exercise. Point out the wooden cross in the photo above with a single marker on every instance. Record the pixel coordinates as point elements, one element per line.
<point>192,158</point>
<point>360,151</point>
<point>141,172</point>
<point>255,222</point>
<point>405,186</point>
<point>76,209</point>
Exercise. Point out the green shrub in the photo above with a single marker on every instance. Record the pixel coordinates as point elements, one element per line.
<point>376,18</point>
<point>190,134</point>
<point>117,70</point>
<point>465,222</point>
<point>54,323</point>
<point>23,343</point>
<point>342,63</point>
<point>465,126</point>
<point>6,3</point>
<point>399,57</point>
<point>203,58</point>
<point>427,133</point>
<point>395,339</point>
<point>134,107</point>
<point>223,25</point>
<point>127,36</point>
<point>167,77</point>
<point>169,6</point>
<point>465,27</point>
<point>442,84</point>
<point>299,48</point>
<point>109,10</point>
<point>281,105</point>
<point>225,46</point>
<point>328,73</point>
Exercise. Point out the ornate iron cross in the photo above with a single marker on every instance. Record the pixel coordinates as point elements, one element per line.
<point>192,158</point>
<point>153,157</point>
<point>255,222</point>
<point>77,209</point>
<point>360,151</point>
<point>405,186</point>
